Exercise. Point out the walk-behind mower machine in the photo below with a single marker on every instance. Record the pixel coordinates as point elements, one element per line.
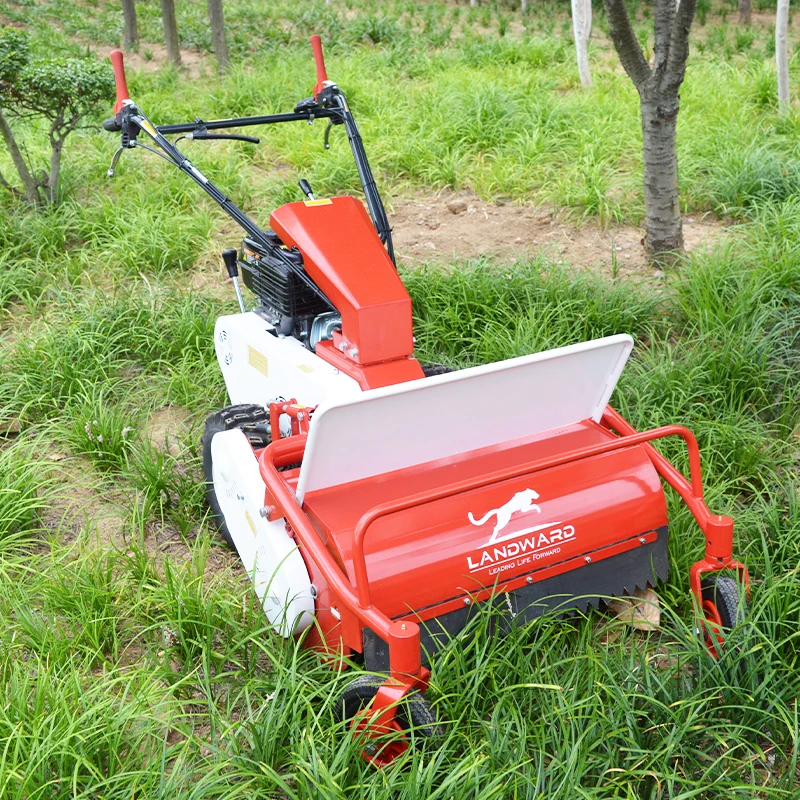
<point>377,502</point>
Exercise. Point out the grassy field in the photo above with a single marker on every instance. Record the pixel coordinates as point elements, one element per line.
<point>134,662</point>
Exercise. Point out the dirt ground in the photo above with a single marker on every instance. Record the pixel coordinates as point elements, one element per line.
<point>438,228</point>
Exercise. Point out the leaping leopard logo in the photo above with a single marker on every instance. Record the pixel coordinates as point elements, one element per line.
<point>521,502</point>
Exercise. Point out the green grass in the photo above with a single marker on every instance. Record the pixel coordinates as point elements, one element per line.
<point>134,660</point>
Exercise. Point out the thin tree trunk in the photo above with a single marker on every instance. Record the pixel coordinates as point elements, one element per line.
<point>171,31</point>
<point>582,30</point>
<point>130,38</point>
<point>658,86</point>
<point>745,12</point>
<point>664,232</point>
<point>28,184</point>
<point>473,3</point>
<point>782,54</point>
<point>56,146</point>
<point>218,35</point>
<point>523,6</point>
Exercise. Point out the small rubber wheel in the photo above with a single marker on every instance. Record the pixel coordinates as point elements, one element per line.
<point>724,595</point>
<point>724,606</point>
<point>414,711</point>
<point>253,420</point>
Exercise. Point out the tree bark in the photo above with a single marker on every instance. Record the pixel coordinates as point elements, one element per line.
<point>130,38</point>
<point>658,88</point>
<point>56,146</point>
<point>782,54</point>
<point>745,12</point>
<point>582,30</point>
<point>171,31</point>
<point>523,6</point>
<point>663,224</point>
<point>218,35</point>
<point>28,184</point>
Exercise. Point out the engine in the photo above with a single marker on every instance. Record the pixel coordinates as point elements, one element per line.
<point>284,300</point>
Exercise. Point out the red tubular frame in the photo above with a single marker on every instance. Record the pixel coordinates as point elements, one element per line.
<point>718,528</point>
<point>359,560</point>
<point>403,638</point>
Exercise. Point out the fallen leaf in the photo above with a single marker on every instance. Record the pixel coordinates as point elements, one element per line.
<point>642,611</point>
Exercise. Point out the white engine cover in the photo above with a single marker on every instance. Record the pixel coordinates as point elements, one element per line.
<point>260,367</point>
<point>268,553</point>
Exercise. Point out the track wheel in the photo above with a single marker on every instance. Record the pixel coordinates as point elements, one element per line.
<point>724,607</point>
<point>254,421</point>
<point>413,712</point>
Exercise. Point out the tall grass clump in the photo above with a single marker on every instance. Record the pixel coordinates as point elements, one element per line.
<point>478,313</point>
<point>23,485</point>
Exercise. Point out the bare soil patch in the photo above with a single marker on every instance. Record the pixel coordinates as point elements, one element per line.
<point>167,427</point>
<point>85,503</point>
<point>446,226</point>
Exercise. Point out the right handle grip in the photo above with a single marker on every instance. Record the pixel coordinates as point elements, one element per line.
<point>119,79</point>
<point>319,60</point>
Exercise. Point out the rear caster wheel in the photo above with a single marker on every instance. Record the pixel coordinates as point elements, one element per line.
<point>253,421</point>
<point>724,607</point>
<point>413,712</point>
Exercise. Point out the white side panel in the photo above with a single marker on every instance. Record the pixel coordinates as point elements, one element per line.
<point>259,367</point>
<point>268,553</point>
<point>411,423</point>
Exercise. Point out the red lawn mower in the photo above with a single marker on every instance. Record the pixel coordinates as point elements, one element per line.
<point>377,502</point>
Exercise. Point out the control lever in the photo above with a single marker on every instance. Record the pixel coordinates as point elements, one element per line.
<point>229,257</point>
<point>114,159</point>
<point>306,189</point>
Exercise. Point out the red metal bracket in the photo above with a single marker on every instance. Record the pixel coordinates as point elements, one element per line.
<point>380,718</point>
<point>299,417</point>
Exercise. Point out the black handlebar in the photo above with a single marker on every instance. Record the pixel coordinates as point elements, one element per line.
<point>236,136</point>
<point>112,125</point>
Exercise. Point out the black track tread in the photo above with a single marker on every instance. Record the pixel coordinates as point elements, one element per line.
<point>436,369</point>
<point>413,712</point>
<point>253,420</point>
<point>726,594</point>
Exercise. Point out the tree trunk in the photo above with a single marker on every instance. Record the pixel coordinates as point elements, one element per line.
<point>218,35</point>
<point>663,227</point>
<point>745,12</point>
<point>582,30</point>
<point>523,6</point>
<point>658,86</point>
<point>56,146</point>
<point>28,184</point>
<point>171,31</point>
<point>130,38</point>
<point>782,54</point>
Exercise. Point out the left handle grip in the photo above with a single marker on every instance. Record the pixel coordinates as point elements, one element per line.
<point>319,61</point>
<point>119,79</point>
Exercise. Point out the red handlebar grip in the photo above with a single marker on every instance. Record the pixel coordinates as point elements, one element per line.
<point>319,59</point>
<point>119,79</point>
